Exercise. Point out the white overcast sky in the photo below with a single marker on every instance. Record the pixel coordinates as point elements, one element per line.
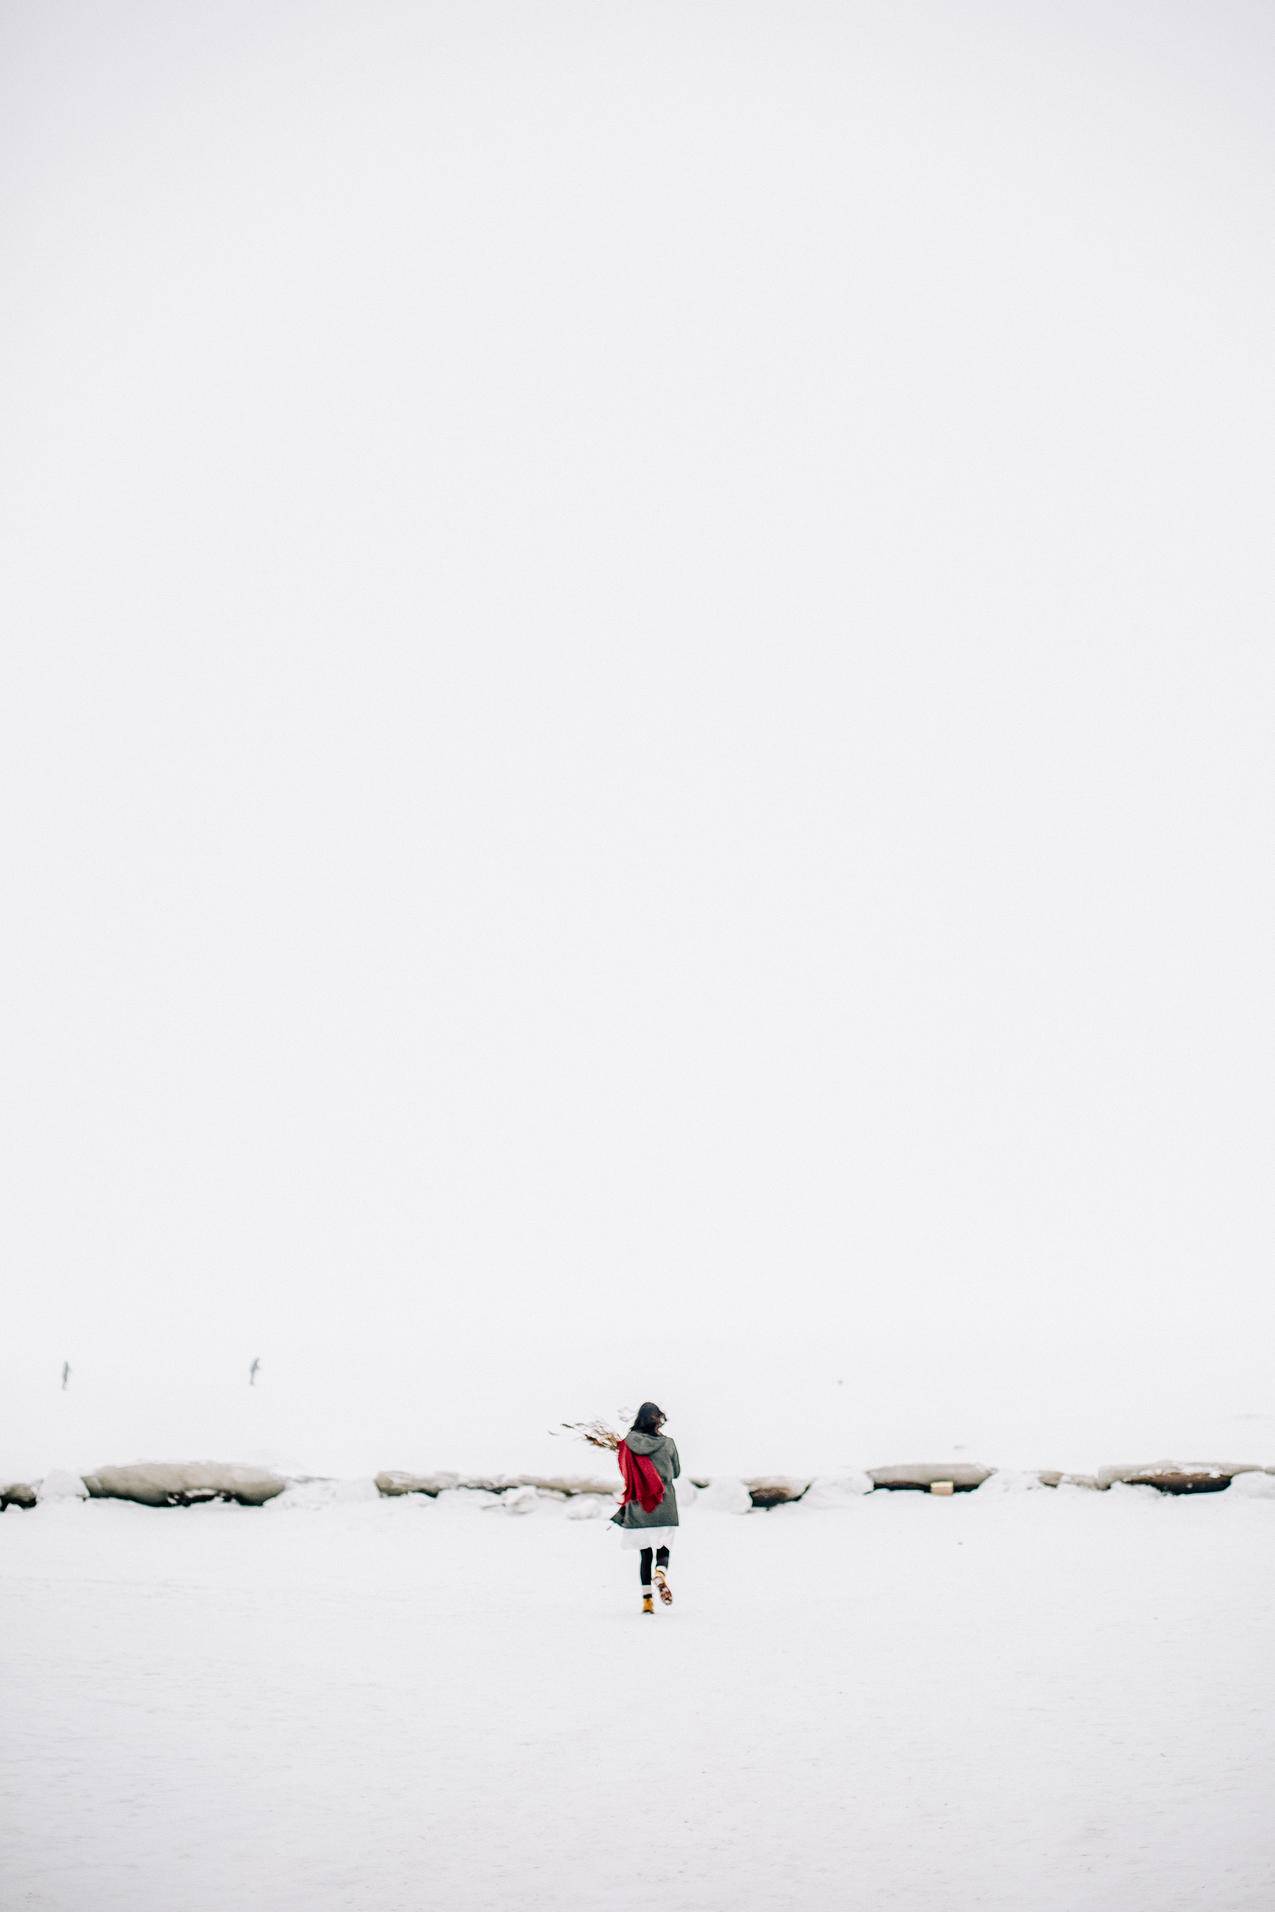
<point>637,715</point>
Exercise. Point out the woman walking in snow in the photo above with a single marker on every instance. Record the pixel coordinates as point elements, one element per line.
<point>647,1516</point>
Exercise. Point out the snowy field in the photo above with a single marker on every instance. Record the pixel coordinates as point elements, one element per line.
<point>1041,1702</point>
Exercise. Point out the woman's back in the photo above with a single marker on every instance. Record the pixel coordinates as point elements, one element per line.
<point>660,1450</point>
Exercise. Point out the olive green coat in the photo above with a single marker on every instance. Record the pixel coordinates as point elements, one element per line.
<point>662,1453</point>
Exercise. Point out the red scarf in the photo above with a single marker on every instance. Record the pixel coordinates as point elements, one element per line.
<point>641,1482</point>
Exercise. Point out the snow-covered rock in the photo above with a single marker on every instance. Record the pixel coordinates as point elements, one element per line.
<point>182,1483</point>
<point>395,1482</point>
<point>837,1490</point>
<point>560,1486</point>
<point>923,1474</point>
<point>567,1486</point>
<point>725,1494</point>
<point>1012,1480</point>
<point>17,1493</point>
<point>58,1484</point>
<point>1058,1477</point>
<point>1174,1477</point>
<point>773,1490</point>
<point>519,1500</point>
<point>589,1507</point>
<point>1255,1483</point>
<point>312,1494</point>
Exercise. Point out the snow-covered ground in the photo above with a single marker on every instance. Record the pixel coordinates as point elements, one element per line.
<point>1041,1702</point>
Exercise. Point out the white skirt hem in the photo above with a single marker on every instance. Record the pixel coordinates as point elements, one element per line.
<point>635,1538</point>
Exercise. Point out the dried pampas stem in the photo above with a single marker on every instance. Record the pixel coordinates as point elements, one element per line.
<point>597,1432</point>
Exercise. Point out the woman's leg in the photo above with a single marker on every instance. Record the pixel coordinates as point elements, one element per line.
<point>661,1577</point>
<point>644,1568</point>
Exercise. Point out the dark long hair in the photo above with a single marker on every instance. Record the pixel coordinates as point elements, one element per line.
<point>647,1419</point>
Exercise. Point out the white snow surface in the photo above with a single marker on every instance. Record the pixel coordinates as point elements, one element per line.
<point>1037,1702</point>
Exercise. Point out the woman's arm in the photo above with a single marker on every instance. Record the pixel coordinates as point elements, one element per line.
<point>677,1461</point>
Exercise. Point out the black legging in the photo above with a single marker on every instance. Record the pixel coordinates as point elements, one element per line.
<point>644,1562</point>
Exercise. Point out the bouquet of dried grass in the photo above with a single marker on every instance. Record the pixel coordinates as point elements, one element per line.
<point>597,1432</point>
